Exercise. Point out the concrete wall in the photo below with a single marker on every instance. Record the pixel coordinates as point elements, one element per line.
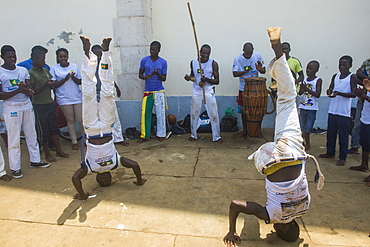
<point>321,30</point>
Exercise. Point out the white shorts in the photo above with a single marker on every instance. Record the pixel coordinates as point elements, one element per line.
<point>287,200</point>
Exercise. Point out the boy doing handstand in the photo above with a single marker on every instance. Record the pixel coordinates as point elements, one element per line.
<point>98,120</point>
<point>282,161</point>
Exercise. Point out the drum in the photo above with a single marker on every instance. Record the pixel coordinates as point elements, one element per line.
<point>255,98</point>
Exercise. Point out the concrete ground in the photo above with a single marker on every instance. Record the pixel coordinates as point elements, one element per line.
<point>184,202</point>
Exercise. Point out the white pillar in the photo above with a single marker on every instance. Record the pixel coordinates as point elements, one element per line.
<point>132,34</point>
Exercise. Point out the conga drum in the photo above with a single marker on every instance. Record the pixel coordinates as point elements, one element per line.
<point>255,98</point>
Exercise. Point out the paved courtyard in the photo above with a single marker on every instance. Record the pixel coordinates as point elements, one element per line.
<point>184,202</point>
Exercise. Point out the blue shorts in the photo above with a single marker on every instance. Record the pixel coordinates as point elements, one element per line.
<point>307,119</point>
<point>365,137</point>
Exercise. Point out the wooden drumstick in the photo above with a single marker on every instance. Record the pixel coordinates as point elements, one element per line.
<point>197,46</point>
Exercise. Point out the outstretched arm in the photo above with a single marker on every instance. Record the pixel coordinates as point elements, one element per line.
<point>136,168</point>
<point>76,179</point>
<point>236,207</point>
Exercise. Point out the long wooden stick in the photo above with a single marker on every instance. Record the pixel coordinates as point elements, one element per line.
<point>198,52</point>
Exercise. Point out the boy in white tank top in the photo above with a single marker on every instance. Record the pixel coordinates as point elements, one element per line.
<point>98,120</point>
<point>310,89</point>
<point>341,94</point>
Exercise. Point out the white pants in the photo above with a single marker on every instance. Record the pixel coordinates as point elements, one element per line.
<point>212,110</point>
<point>160,111</point>
<point>287,126</point>
<point>98,118</point>
<point>287,145</point>
<point>117,131</point>
<point>15,121</point>
<point>2,164</point>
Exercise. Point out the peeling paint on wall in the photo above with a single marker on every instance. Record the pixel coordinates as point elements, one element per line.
<point>66,36</point>
<point>50,42</point>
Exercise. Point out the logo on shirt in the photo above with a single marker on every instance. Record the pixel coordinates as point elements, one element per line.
<point>248,68</point>
<point>104,66</point>
<point>198,72</point>
<point>14,82</point>
<point>106,163</point>
<point>308,103</point>
<point>13,114</point>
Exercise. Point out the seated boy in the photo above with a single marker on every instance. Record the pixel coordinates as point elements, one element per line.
<point>282,161</point>
<point>98,120</point>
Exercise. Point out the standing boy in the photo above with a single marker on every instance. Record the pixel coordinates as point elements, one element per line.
<point>282,161</point>
<point>18,112</point>
<point>204,80</point>
<point>247,64</point>
<point>308,105</point>
<point>294,64</point>
<point>339,119</point>
<point>45,106</point>
<point>362,73</point>
<point>98,120</point>
<point>364,133</point>
<point>153,69</point>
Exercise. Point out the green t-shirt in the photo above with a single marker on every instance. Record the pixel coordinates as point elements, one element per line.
<point>38,79</point>
<point>294,65</point>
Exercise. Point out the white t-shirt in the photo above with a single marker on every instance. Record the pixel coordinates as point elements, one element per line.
<point>365,115</point>
<point>308,101</point>
<point>9,80</point>
<point>241,64</point>
<point>69,93</point>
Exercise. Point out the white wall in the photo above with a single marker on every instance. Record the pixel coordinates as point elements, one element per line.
<point>320,30</point>
<point>27,23</point>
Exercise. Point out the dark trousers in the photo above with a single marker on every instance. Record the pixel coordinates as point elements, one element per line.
<point>338,125</point>
<point>46,124</point>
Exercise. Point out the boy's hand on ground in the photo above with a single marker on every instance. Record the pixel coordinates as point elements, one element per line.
<point>231,239</point>
<point>79,197</point>
<point>142,182</point>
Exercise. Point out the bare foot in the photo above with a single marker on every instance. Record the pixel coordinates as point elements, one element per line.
<point>50,158</point>
<point>367,179</point>
<point>62,154</point>
<point>86,45</point>
<point>123,143</point>
<point>141,140</point>
<point>274,34</point>
<point>75,146</point>
<point>143,180</point>
<point>242,134</point>
<point>191,139</point>
<point>6,178</point>
<point>359,168</point>
<point>105,44</point>
<point>161,139</point>
<point>219,141</point>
